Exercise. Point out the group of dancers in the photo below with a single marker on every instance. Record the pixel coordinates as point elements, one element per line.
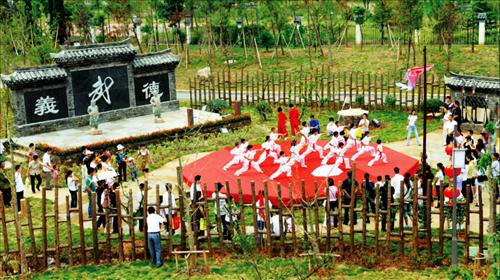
<point>244,153</point>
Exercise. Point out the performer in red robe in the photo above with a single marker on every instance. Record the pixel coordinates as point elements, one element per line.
<point>293,115</point>
<point>282,123</point>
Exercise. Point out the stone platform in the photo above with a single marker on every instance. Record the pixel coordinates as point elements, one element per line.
<point>78,137</point>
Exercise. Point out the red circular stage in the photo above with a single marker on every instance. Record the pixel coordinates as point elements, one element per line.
<point>210,169</point>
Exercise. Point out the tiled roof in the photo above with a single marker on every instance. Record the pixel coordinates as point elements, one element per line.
<point>156,59</point>
<point>96,52</point>
<point>34,75</point>
<point>459,81</point>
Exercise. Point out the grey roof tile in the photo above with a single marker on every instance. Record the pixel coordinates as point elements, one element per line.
<point>479,82</point>
<point>33,75</point>
<point>156,59</point>
<point>90,53</point>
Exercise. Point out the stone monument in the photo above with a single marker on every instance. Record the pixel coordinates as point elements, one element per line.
<point>112,75</point>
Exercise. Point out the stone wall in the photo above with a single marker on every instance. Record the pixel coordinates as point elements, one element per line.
<point>80,121</point>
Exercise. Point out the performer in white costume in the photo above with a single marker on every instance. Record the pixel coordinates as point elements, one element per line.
<point>379,154</point>
<point>340,151</point>
<point>284,167</point>
<point>248,161</point>
<point>365,146</point>
<point>313,146</point>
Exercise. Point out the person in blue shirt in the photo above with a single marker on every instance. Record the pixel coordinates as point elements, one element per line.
<point>314,123</point>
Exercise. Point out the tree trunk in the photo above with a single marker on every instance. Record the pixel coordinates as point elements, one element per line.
<point>382,34</point>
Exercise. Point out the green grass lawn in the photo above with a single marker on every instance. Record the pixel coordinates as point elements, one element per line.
<point>369,59</point>
<point>234,268</point>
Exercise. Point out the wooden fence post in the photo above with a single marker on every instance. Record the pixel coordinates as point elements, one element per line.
<point>95,240</point>
<point>70,237</point>
<point>131,222</point>
<point>181,207</point>
<point>242,209</point>
<point>377,215</point>
<point>118,194</point>
<point>292,213</point>
<point>304,211</point>
<point>44,228</point>
<point>207,219</point>
<point>254,214</point>
<point>268,220</point>
<point>428,207</point>
<point>56,227</point>
<point>415,217</point>
<point>280,219</point>
<point>81,230</point>
<point>327,217</point>
<point>441,219</point>
<point>401,219</point>
<point>32,234</point>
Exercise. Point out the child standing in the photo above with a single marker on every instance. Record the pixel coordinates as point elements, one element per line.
<point>133,168</point>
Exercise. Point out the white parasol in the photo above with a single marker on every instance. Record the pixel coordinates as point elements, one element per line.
<point>356,112</point>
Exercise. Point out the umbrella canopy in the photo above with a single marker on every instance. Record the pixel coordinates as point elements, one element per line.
<point>352,112</point>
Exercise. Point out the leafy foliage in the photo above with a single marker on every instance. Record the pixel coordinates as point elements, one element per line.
<point>217,105</point>
<point>359,14</point>
<point>263,108</point>
<point>390,102</point>
<point>433,106</point>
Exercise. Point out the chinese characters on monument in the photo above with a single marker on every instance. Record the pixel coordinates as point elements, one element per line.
<point>46,105</point>
<point>150,89</point>
<point>101,89</point>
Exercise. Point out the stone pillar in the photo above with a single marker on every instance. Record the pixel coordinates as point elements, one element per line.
<point>188,35</point>
<point>482,31</point>
<point>481,17</point>
<point>237,108</point>
<point>190,117</point>
<point>358,34</point>
<point>139,33</point>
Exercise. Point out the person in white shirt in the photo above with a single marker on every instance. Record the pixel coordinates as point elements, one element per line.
<point>268,151</point>
<point>295,155</point>
<point>450,128</point>
<point>339,152</point>
<point>72,182</point>
<point>236,152</point>
<point>248,162</point>
<point>351,141</point>
<point>379,182</point>
<point>18,179</point>
<point>365,146</point>
<point>222,212</point>
<point>285,167</point>
<point>412,127</point>
<point>445,120</point>
<point>364,123</point>
<point>334,142</point>
<point>332,146</point>
<point>195,188</point>
<point>313,146</point>
<point>154,222</point>
<point>379,154</point>
<point>1,149</point>
<point>274,137</point>
<point>331,199</point>
<point>275,224</point>
<point>459,138</point>
<point>47,168</point>
<point>396,181</point>
<point>304,132</point>
<point>439,181</point>
<point>495,170</point>
<point>331,127</point>
<point>169,204</point>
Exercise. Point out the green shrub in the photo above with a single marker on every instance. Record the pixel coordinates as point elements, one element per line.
<point>263,108</point>
<point>360,100</point>
<point>433,106</point>
<point>217,105</point>
<point>390,102</point>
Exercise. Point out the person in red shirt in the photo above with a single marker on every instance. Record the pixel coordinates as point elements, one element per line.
<point>293,115</point>
<point>282,123</point>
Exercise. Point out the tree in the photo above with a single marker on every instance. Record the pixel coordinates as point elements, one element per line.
<point>382,13</point>
<point>81,18</point>
<point>409,15</point>
<point>120,11</point>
